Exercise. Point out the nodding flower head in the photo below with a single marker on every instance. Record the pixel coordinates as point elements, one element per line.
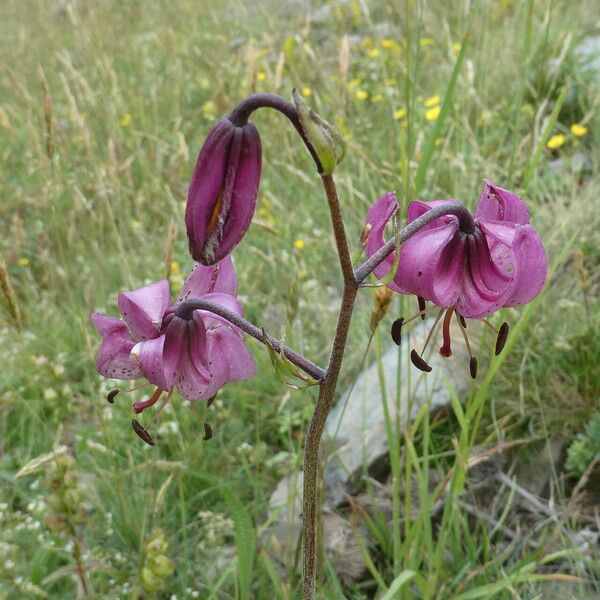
<point>196,351</point>
<point>498,262</point>
<point>223,190</point>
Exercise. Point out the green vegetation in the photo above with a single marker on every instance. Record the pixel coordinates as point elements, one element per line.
<point>103,108</point>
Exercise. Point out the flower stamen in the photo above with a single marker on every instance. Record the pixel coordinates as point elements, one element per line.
<point>142,405</point>
<point>446,349</point>
<point>142,433</point>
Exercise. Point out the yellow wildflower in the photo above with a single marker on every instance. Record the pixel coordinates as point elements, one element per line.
<point>125,120</point>
<point>390,44</point>
<point>377,98</point>
<point>556,141</point>
<point>456,46</point>
<point>306,91</point>
<point>23,262</point>
<point>579,130</point>
<point>399,113</point>
<point>390,81</point>
<point>354,82</point>
<point>373,53</point>
<point>261,76</point>
<point>362,94</point>
<point>426,42</point>
<point>432,101</point>
<point>175,268</point>
<point>299,244</point>
<point>433,113</point>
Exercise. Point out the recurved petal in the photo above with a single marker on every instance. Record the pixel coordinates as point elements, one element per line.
<point>203,280</point>
<point>378,217</point>
<point>230,359</point>
<point>176,340</point>
<point>114,358</point>
<point>193,384</point>
<point>207,184</point>
<point>149,355</point>
<point>417,208</point>
<point>431,263</point>
<point>531,266</point>
<point>498,204</point>
<point>143,309</point>
<point>485,284</point>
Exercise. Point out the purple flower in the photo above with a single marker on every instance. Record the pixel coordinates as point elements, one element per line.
<point>223,190</point>
<point>197,353</point>
<point>500,263</point>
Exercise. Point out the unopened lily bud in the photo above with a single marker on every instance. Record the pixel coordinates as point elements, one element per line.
<point>325,139</point>
<point>223,191</point>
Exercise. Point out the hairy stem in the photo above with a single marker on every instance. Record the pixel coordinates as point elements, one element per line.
<point>465,222</point>
<point>325,398</point>
<point>239,116</point>
<point>184,310</point>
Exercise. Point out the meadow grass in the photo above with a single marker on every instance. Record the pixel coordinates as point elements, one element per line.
<point>103,108</point>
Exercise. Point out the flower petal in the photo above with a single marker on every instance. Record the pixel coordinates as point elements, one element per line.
<point>149,355</point>
<point>143,309</point>
<point>203,280</point>
<point>431,262</point>
<point>485,285</point>
<point>230,360</point>
<point>114,359</point>
<point>378,217</point>
<point>417,208</point>
<point>176,340</point>
<point>197,344</point>
<point>194,385</point>
<point>498,204</point>
<point>531,266</point>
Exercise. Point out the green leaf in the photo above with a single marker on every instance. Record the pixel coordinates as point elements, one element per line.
<point>245,540</point>
<point>397,584</point>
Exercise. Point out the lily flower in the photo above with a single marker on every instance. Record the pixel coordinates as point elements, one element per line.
<point>194,351</point>
<point>498,262</point>
<point>223,190</point>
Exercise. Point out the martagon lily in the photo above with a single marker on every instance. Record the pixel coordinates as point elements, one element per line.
<point>194,350</point>
<point>473,269</point>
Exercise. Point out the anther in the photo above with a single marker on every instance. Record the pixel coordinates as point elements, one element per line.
<point>462,320</point>
<point>419,361</point>
<point>210,401</point>
<point>422,307</point>
<point>396,330</point>
<point>473,367</point>
<point>502,336</point>
<point>207,432</point>
<point>110,397</point>
<point>142,433</point>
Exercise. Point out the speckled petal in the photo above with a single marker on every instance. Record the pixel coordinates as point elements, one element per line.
<point>114,358</point>
<point>149,355</point>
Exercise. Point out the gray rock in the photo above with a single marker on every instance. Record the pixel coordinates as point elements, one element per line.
<point>355,440</point>
<point>355,435</point>
<point>589,52</point>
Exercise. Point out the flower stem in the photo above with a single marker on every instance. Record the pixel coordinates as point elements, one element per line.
<point>184,309</point>
<point>326,395</point>
<point>239,116</point>
<point>465,221</point>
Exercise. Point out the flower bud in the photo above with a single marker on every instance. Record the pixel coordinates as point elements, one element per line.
<point>223,191</point>
<point>323,137</point>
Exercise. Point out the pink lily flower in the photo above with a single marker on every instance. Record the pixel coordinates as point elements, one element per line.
<point>196,353</point>
<point>500,263</point>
